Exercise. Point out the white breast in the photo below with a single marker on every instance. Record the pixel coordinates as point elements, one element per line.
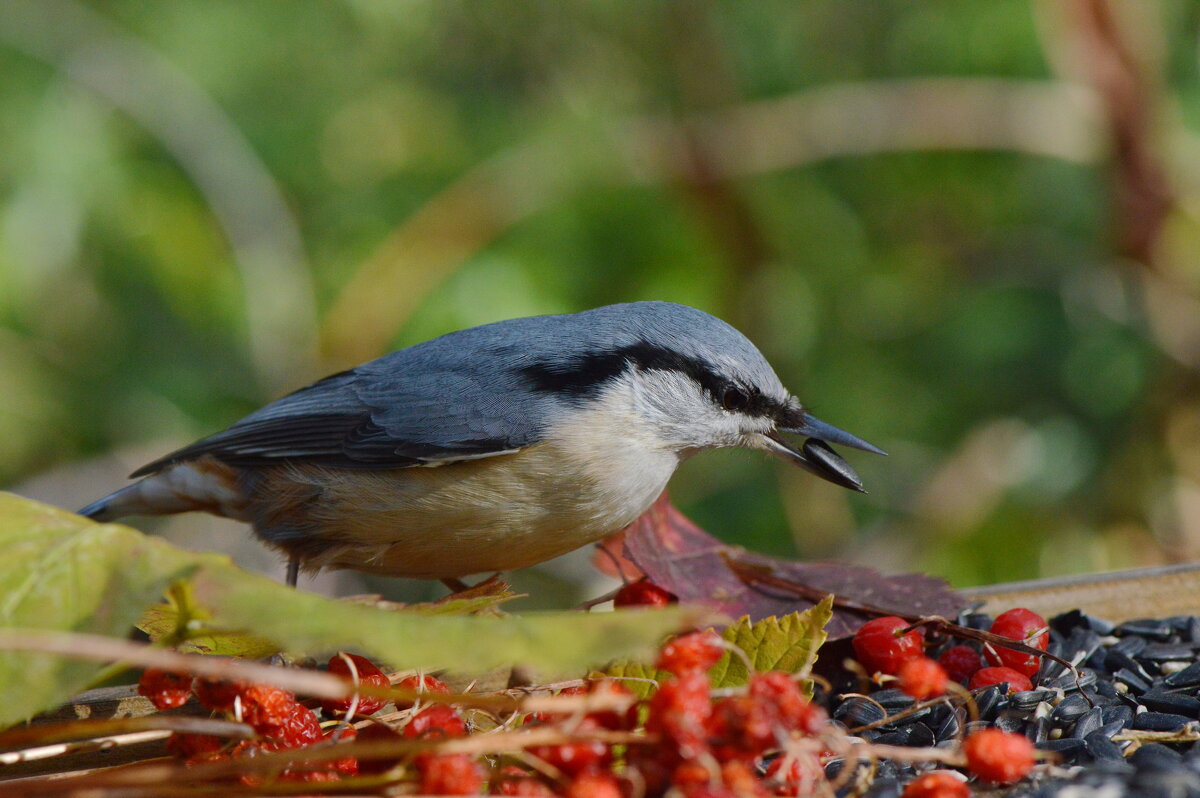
<point>596,471</point>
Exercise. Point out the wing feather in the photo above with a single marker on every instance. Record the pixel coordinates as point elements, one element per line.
<point>394,412</point>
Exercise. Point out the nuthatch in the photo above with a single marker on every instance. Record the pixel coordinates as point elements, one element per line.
<point>491,448</point>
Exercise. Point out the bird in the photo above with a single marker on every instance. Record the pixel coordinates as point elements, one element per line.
<point>491,448</point>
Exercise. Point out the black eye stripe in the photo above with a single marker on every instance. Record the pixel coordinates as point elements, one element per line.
<point>584,376</point>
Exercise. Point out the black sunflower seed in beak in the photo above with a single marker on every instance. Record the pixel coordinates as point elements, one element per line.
<point>816,455</point>
<point>829,465</point>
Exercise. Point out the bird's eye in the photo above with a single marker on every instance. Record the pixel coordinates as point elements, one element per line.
<point>734,398</point>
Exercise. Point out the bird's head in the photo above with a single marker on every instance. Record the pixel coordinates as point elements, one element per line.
<point>693,382</point>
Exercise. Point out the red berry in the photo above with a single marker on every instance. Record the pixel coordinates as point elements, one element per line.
<point>743,727</point>
<point>922,678</point>
<point>611,719</point>
<point>420,684</point>
<point>986,677</point>
<point>697,651</point>
<point>881,644</point>
<point>577,757</point>
<point>534,718</point>
<point>691,773</point>
<point>998,756</point>
<point>266,704</point>
<point>165,690</point>
<point>708,791</point>
<point>679,711</point>
<point>532,788</point>
<point>308,775</point>
<point>330,770</point>
<point>363,672</point>
<point>741,781</point>
<point>938,784</point>
<point>652,766</point>
<point>436,721</point>
<point>277,716</point>
<point>578,689</point>
<point>529,787</point>
<point>296,731</point>
<point>795,774</point>
<point>643,593</point>
<point>301,728</point>
<point>795,710</point>
<point>194,746</point>
<point>812,721</point>
<point>594,785</point>
<point>450,774</point>
<point>1024,626</point>
<point>960,662</point>
<point>347,766</point>
<point>217,694</point>
<point>248,749</point>
<point>512,780</point>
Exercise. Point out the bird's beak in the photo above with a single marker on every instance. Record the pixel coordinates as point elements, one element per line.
<point>812,427</point>
<point>816,456</point>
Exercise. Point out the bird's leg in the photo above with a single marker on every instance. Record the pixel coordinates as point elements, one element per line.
<point>293,571</point>
<point>455,585</point>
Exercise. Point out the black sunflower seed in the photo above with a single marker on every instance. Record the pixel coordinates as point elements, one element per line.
<point>1089,722</point>
<point>1159,721</point>
<point>1070,709</point>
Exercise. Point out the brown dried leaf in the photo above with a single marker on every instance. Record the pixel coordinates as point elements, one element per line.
<point>681,557</point>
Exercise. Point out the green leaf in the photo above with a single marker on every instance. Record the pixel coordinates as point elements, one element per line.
<point>304,623</point>
<point>64,572</point>
<point>486,595</point>
<point>186,625</point>
<point>787,644</point>
<point>641,678</point>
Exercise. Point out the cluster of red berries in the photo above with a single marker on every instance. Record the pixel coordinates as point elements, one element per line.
<point>278,719</point>
<point>715,746</point>
<point>891,646</point>
<point>886,645</point>
<point>280,722</point>
<point>707,747</point>
<point>764,739</point>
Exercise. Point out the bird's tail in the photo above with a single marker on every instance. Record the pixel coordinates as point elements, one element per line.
<point>180,488</point>
<point>114,505</point>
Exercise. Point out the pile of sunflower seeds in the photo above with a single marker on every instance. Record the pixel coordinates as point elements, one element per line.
<point>1125,724</point>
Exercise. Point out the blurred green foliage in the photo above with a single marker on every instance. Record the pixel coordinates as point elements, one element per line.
<point>965,307</point>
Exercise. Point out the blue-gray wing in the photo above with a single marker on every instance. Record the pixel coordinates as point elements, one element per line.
<point>473,393</point>
<point>409,408</point>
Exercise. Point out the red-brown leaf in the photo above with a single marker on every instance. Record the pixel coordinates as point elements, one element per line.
<point>681,557</point>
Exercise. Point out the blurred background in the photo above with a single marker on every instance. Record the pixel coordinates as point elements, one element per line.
<point>967,232</point>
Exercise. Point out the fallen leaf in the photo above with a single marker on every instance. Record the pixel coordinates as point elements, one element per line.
<point>786,644</point>
<point>681,557</point>
<point>64,572</point>
<point>186,626</point>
